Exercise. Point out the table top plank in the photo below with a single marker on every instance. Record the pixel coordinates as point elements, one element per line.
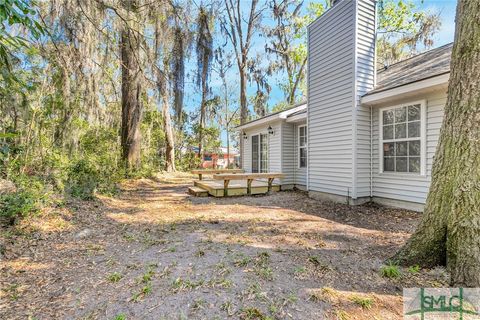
<point>214,171</point>
<point>243,176</point>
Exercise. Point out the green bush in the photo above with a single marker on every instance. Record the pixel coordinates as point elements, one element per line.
<point>82,179</point>
<point>17,205</point>
<point>86,177</point>
<point>188,161</point>
<point>96,168</point>
<point>27,200</point>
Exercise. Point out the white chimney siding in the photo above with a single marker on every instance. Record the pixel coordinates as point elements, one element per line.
<point>341,68</point>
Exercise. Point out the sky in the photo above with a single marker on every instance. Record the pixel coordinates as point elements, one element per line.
<point>445,8</point>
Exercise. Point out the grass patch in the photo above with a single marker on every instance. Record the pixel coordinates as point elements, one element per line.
<point>241,260</point>
<point>253,314</point>
<point>198,304</point>
<point>144,291</point>
<point>299,270</point>
<point>414,269</point>
<point>314,259</point>
<point>147,276</point>
<point>114,277</point>
<point>221,269</point>
<point>262,268</point>
<point>13,291</point>
<point>319,265</point>
<point>227,306</point>
<point>391,271</point>
<point>326,294</point>
<point>120,317</point>
<point>364,302</point>
<point>180,284</point>
<point>254,290</point>
<point>342,315</point>
<point>220,283</point>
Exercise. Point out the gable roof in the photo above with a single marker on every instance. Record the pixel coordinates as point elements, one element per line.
<point>425,65</point>
<point>422,66</point>
<point>283,114</point>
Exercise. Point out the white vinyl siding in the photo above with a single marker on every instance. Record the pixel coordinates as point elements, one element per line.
<point>407,186</point>
<point>300,173</point>
<point>294,175</point>
<point>288,153</point>
<point>365,81</point>
<point>330,99</point>
<point>340,70</point>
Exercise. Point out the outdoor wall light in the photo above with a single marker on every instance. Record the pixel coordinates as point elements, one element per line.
<point>270,130</point>
<point>245,136</point>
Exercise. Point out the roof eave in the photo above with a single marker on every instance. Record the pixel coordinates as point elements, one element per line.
<point>411,89</point>
<point>271,118</point>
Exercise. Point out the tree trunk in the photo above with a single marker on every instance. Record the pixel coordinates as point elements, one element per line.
<point>450,228</point>
<point>243,96</point>
<point>169,139</point>
<point>228,147</point>
<point>131,90</point>
<point>243,109</point>
<point>200,128</point>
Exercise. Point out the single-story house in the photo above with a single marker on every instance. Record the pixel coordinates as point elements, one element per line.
<point>363,134</point>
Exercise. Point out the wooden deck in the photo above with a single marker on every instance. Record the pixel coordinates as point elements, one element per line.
<point>235,188</point>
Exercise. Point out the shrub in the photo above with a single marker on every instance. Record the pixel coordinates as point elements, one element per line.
<point>17,205</point>
<point>82,179</point>
<point>27,200</point>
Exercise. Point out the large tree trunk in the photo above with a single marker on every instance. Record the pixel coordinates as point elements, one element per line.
<point>203,108</point>
<point>167,123</point>
<point>131,90</point>
<point>450,228</point>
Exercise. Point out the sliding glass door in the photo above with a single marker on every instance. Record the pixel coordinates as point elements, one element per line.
<point>260,153</point>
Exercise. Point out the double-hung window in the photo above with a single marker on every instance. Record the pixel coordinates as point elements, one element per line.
<point>260,153</point>
<point>302,146</point>
<point>402,138</point>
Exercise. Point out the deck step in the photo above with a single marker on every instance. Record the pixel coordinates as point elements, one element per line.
<point>197,191</point>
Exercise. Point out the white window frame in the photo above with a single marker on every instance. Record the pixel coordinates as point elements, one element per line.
<point>299,147</point>
<point>423,138</point>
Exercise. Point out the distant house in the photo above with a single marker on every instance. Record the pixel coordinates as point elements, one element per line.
<point>220,158</point>
<point>363,134</point>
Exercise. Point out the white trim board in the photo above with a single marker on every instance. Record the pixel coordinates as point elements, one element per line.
<point>411,89</point>
<point>271,118</point>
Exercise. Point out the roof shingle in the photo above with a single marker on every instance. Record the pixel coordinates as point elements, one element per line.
<point>422,66</point>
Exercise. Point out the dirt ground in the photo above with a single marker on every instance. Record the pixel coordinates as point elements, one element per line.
<point>154,252</point>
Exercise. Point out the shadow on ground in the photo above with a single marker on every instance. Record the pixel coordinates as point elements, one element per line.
<point>153,252</point>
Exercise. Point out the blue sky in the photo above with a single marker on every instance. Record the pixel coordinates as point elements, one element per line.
<point>446,9</point>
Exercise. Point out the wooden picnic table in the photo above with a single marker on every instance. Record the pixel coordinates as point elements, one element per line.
<point>249,177</point>
<point>201,172</point>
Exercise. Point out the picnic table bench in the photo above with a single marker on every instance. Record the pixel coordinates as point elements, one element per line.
<point>201,172</point>
<point>249,177</point>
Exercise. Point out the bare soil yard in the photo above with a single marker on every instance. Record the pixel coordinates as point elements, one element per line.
<point>154,252</point>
